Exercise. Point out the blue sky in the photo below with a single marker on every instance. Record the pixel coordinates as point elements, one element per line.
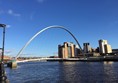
<point>88,20</point>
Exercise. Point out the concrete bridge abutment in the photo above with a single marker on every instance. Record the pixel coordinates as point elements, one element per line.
<point>12,64</point>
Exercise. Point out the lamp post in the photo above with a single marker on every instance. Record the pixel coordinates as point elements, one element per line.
<point>3,26</point>
<point>3,77</point>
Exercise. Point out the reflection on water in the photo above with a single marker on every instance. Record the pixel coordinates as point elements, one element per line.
<point>110,72</point>
<point>108,62</point>
<point>64,72</point>
<point>68,72</point>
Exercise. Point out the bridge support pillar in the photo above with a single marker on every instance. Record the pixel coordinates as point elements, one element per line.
<point>12,64</point>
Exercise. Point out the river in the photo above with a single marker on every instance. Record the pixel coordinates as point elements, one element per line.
<point>64,72</point>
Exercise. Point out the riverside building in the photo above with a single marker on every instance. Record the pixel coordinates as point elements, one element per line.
<point>67,50</point>
<point>87,48</point>
<point>104,47</point>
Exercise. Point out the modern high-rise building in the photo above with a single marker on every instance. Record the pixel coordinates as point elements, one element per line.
<point>67,50</point>
<point>77,51</point>
<point>108,48</point>
<point>101,45</point>
<point>87,48</point>
<point>104,47</point>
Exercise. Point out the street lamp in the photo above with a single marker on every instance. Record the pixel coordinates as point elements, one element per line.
<point>2,70</point>
<point>3,26</point>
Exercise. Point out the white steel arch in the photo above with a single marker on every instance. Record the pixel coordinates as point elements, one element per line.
<point>54,26</point>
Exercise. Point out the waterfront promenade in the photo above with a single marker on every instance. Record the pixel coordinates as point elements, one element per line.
<point>89,59</point>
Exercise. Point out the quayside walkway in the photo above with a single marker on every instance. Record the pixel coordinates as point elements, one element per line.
<point>89,59</point>
<point>38,59</point>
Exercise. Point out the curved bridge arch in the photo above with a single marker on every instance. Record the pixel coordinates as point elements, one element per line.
<point>55,26</point>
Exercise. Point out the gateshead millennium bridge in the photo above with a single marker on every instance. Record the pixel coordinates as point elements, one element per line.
<point>13,63</point>
<point>55,26</point>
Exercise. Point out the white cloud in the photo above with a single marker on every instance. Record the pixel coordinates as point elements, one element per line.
<point>40,1</point>
<point>11,12</point>
<point>8,26</point>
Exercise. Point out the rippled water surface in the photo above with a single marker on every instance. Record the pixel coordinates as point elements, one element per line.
<point>64,72</point>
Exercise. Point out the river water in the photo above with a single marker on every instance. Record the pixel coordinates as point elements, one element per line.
<point>64,72</point>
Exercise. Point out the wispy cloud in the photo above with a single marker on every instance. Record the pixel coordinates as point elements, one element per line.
<point>31,16</point>
<point>8,26</point>
<point>11,12</point>
<point>40,1</point>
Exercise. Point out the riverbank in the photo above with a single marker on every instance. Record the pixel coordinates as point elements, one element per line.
<point>88,59</point>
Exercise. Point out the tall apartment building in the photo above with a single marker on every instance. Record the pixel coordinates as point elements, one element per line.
<point>67,50</point>
<point>87,48</point>
<point>108,48</point>
<point>77,51</point>
<point>104,47</point>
